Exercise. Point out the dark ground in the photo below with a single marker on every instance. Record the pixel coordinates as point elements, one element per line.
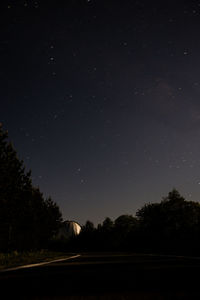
<point>107,276</point>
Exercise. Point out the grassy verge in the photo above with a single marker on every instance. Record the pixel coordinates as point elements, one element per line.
<point>15,258</point>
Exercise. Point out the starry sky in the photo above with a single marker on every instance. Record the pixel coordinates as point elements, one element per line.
<point>101,99</point>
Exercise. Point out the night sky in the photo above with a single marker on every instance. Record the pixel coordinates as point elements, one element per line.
<point>101,100</point>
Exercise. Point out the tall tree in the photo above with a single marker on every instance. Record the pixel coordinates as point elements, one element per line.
<point>108,225</point>
<point>174,223</point>
<point>25,216</point>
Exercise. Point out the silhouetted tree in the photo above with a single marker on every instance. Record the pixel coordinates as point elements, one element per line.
<point>104,235</point>
<point>86,239</point>
<point>27,220</point>
<point>89,227</point>
<point>125,223</point>
<point>125,226</point>
<point>13,183</point>
<point>107,225</point>
<point>172,225</point>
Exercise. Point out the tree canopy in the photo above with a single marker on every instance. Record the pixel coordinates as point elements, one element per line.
<point>169,226</point>
<point>173,223</point>
<point>27,220</point>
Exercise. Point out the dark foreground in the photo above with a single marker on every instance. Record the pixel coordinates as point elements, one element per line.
<point>107,276</point>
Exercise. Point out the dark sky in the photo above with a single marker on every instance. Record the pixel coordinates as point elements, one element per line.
<point>101,99</point>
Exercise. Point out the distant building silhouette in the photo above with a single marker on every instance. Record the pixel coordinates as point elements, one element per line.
<point>68,229</point>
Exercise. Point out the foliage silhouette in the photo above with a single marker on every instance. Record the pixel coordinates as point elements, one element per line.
<point>27,220</point>
<point>171,226</point>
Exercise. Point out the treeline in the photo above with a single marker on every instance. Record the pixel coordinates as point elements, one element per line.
<point>27,219</point>
<point>169,227</point>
